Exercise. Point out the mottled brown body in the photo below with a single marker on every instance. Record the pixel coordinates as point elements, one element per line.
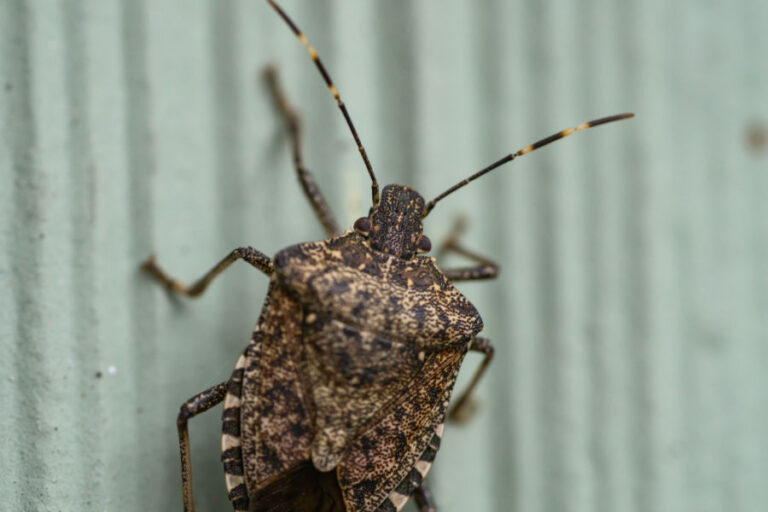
<point>351,367</point>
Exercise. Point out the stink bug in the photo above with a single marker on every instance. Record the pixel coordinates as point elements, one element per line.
<point>338,402</point>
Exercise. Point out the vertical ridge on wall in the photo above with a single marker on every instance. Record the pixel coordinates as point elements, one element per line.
<point>395,62</point>
<point>664,338</point>
<point>637,291</point>
<point>499,111</point>
<point>613,349</point>
<point>82,203</point>
<point>108,435</point>
<point>141,304</point>
<point>545,245</point>
<point>518,488</point>
<point>23,255</point>
<point>751,457</point>
<point>596,184</point>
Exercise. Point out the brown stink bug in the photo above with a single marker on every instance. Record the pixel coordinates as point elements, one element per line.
<point>338,402</point>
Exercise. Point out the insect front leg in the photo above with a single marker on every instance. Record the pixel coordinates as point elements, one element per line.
<point>293,126</point>
<point>460,411</point>
<point>485,268</point>
<point>249,254</point>
<point>425,500</point>
<point>192,407</point>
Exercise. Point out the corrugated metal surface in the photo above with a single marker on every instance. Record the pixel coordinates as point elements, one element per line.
<point>630,318</point>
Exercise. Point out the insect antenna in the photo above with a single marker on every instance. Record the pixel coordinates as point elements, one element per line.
<point>527,149</point>
<point>313,55</point>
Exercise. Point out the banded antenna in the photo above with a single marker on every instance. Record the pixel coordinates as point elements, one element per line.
<point>527,149</point>
<point>316,59</point>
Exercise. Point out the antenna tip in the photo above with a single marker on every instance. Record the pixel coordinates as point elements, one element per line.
<point>603,120</point>
<point>621,117</point>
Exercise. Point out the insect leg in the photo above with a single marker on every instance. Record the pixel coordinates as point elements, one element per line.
<point>249,254</point>
<point>192,407</point>
<point>485,268</point>
<point>425,500</point>
<point>293,126</point>
<point>460,410</point>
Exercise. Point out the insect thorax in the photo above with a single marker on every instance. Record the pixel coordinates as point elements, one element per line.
<point>409,301</point>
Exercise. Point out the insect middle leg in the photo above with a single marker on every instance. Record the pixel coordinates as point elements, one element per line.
<point>192,407</point>
<point>460,411</point>
<point>485,268</point>
<point>293,126</point>
<point>256,258</point>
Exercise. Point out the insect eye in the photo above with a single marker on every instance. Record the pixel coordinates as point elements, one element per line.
<point>363,225</point>
<point>424,245</point>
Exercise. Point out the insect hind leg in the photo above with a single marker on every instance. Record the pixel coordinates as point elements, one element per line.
<point>462,408</point>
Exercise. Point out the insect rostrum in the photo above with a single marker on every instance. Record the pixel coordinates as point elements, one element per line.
<point>338,402</point>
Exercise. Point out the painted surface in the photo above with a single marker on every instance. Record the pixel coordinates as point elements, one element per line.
<point>630,317</point>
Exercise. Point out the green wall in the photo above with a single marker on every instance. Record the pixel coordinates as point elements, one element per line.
<point>630,317</point>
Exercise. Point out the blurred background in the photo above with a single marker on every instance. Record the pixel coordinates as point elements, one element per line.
<point>629,319</point>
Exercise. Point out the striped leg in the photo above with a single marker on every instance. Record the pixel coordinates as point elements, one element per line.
<point>249,254</point>
<point>192,407</point>
<point>485,268</point>
<point>424,499</point>
<point>293,126</point>
<point>461,409</point>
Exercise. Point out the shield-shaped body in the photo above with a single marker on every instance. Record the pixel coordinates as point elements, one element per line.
<point>338,402</point>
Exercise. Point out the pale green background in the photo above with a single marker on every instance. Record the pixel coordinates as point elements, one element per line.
<point>631,317</point>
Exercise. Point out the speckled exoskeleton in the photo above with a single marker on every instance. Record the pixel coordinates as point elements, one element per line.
<point>338,402</point>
